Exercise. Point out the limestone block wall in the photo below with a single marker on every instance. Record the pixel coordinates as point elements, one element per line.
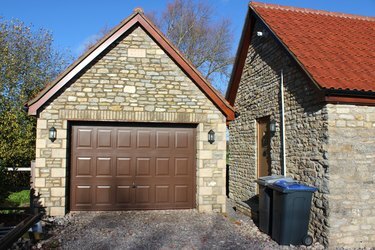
<point>133,81</point>
<point>352,175</point>
<point>306,126</point>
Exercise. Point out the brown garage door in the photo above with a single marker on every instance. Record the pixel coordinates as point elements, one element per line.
<point>119,168</point>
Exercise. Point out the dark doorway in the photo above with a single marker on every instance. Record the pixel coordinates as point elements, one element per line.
<point>263,146</point>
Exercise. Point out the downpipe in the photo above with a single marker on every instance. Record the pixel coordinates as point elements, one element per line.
<point>282,123</point>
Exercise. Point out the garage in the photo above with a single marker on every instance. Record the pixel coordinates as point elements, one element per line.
<point>132,167</point>
<point>131,124</point>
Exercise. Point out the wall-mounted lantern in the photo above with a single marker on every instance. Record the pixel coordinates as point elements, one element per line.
<point>211,136</point>
<point>272,126</point>
<point>262,33</point>
<point>52,134</point>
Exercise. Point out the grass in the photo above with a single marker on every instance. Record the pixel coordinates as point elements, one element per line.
<point>17,199</point>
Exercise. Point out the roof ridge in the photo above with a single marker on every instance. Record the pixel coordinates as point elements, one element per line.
<point>312,11</point>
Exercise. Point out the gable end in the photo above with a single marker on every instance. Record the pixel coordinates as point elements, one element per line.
<point>136,19</point>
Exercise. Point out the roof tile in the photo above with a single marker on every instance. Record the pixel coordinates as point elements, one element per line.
<point>336,49</point>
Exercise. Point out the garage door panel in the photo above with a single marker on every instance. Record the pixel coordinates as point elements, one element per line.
<point>181,166</point>
<point>181,193</point>
<point>143,194</point>
<point>84,138</point>
<point>120,168</point>
<point>83,196</point>
<point>84,166</point>
<point>124,195</point>
<point>163,139</point>
<point>162,167</point>
<point>144,139</point>
<point>162,194</point>
<point>103,167</point>
<point>181,140</point>
<point>104,138</point>
<point>123,167</point>
<point>143,167</point>
<point>103,195</point>
<point>124,138</point>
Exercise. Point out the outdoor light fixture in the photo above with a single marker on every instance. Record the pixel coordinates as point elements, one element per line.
<point>262,33</point>
<point>211,136</point>
<point>272,126</point>
<point>52,134</point>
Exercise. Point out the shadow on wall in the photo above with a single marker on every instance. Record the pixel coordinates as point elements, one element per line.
<point>253,204</point>
<point>227,180</point>
<point>35,203</point>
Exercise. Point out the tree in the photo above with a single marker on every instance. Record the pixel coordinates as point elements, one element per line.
<point>205,42</point>
<point>27,62</point>
<point>95,38</point>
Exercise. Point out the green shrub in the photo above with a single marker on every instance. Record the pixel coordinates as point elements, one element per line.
<point>17,199</point>
<point>22,198</point>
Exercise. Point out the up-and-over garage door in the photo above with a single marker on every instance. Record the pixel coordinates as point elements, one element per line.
<point>132,167</point>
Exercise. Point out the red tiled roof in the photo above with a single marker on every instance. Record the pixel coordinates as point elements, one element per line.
<point>336,49</point>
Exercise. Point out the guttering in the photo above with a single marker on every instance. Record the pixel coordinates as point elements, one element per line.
<point>350,97</point>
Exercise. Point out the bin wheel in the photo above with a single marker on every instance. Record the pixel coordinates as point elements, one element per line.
<point>307,240</point>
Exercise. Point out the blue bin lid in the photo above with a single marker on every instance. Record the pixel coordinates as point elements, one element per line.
<point>286,186</point>
<point>268,180</point>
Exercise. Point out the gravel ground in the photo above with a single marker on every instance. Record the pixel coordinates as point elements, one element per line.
<point>165,229</point>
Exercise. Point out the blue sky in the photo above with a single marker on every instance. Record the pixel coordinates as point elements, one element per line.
<point>74,22</point>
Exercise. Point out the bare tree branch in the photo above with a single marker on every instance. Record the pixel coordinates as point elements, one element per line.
<point>102,32</point>
<point>206,42</point>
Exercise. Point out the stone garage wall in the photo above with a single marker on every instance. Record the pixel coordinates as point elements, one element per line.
<point>305,123</point>
<point>134,81</point>
<point>352,175</point>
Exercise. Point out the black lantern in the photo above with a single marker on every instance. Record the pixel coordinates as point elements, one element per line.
<point>272,126</point>
<point>52,134</point>
<point>211,136</point>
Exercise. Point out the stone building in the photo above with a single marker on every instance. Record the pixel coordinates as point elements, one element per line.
<point>310,73</point>
<point>132,117</point>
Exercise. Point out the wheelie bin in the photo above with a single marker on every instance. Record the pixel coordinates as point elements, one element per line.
<point>265,200</point>
<point>291,213</point>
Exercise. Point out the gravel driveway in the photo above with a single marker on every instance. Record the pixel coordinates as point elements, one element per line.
<point>166,229</point>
